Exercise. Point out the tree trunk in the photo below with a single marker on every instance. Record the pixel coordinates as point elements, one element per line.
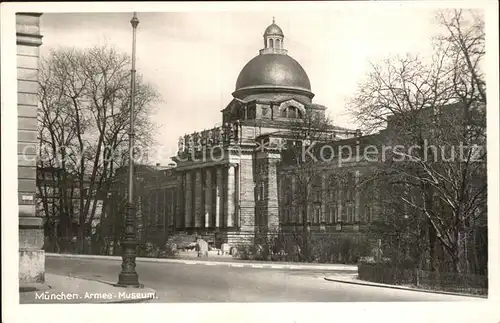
<point>305,233</point>
<point>432,247</point>
<point>457,267</point>
<point>462,251</point>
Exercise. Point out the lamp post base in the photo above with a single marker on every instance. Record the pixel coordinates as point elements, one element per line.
<point>128,276</point>
<point>128,280</point>
<point>128,286</point>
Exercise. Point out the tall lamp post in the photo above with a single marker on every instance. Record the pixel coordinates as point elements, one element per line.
<point>128,276</point>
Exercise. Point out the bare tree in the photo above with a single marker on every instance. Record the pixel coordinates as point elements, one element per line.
<point>436,108</point>
<point>306,171</point>
<point>85,98</point>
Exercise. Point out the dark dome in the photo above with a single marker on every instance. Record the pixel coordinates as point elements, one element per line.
<point>273,29</point>
<point>273,71</point>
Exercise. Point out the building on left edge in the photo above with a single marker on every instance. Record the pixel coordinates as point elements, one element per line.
<point>31,237</point>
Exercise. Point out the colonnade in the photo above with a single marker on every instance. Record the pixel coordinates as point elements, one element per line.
<point>208,197</point>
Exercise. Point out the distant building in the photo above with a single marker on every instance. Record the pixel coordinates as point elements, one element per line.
<point>155,193</point>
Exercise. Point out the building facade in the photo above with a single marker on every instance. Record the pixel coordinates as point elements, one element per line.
<point>31,255</point>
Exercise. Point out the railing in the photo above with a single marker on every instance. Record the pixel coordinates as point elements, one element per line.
<point>439,281</point>
<point>228,133</point>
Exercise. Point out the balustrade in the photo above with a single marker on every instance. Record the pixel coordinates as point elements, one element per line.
<point>218,136</point>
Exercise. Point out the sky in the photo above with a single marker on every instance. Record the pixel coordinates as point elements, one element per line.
<point>193,58</point>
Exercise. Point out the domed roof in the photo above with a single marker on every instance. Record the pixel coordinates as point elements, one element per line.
<point>273,71</point>
<point>273,29</point>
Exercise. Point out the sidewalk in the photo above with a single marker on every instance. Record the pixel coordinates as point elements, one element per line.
<point>223,261</point>
<point>70,290</point>
<point>353,279</point>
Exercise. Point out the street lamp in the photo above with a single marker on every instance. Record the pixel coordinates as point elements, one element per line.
<point>128,276</point>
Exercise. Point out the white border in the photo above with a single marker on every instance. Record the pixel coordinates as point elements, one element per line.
<point>481,311</point>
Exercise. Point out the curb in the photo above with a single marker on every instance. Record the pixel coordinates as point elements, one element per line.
<point>370,284</point>
<point>34,288</point>
<point>214,263</point>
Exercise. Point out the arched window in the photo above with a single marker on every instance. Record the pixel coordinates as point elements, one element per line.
<point>271,43</point>
<point>291,112</point>
<point>278,43</point>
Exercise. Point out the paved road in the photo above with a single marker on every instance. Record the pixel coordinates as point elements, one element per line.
<point>204,283</point>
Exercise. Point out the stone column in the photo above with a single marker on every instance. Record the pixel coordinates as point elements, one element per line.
<point>188,198</point>
<point>231,195</point>
<point>208,198</point>
<point>237,197</point>
<point>179,218</point>
<point>219,206</point>
<point>31,236</point>
<point>198,199</point>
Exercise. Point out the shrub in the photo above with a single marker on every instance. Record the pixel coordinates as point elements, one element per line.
<point>170,251</point>
<point>328,248</point>
<point>244,251</point>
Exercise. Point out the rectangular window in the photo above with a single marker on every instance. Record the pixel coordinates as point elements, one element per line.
<point>317,195</point>
<point>345,211</point>
<point>350,213</point>
<point>368,213</point>
<point>317,213</point>
<point>300,213</point>
<point>331,213</point>
<point>152,213</point>
<point>331,195</point>
<point>350,187</point>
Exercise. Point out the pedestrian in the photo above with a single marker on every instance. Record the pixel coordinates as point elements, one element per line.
<point>202,248</point>
<point>225,248</point>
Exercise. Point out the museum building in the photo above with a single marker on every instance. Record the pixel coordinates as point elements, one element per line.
<point>231,182</point>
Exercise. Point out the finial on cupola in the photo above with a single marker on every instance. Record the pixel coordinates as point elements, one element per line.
<point>273,20</point>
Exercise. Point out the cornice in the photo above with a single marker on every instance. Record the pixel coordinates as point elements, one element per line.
<point>28,39</point>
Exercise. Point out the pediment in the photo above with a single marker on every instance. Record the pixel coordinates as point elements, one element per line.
<point>233,104</point>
